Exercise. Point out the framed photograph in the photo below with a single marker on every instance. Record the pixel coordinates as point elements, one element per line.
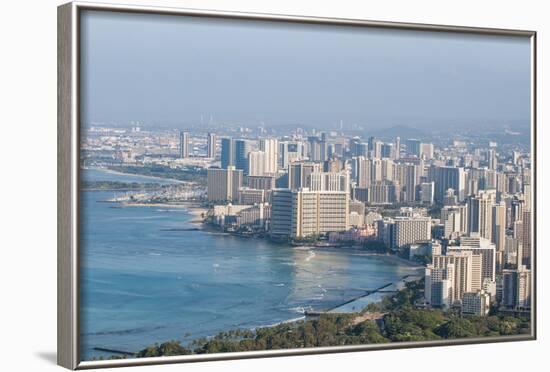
<point>235,185</point>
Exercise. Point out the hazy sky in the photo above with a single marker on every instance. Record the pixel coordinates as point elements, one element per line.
<point>157,68</point>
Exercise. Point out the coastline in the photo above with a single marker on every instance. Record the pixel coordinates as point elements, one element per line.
<point>111,171</point>
<point>195,211</point>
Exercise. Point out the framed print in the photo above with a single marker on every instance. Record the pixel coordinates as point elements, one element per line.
<point>235,185</point>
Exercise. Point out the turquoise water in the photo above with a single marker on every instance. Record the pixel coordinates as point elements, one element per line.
<point>142,283</point>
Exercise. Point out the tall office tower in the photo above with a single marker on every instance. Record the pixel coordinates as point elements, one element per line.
<point>467,271</point>
<point>397,148</point>
<point>330,181</point>
<point>242,148</point>
<point>526,240</point>
<point>412,147</point>
<point>480,246</point>
<point>427,190</point>
<point>224,184</point>
<point>261,182</point>
<point>281,214</point>
<point>499,225</point>
<point>228,153</point>
<point>455,221</point>
<point>256,163</point>
<point>303,213</point>
<point>438,285</point>
<point>299,174</point>
<point>449,178</point>
<point>211,145</point>
<point>426,151</point>
<point>491,157</point>
<point>184,144</point>
<point>270,147</point>
<point>480,213</point>
<point>381,192</point>
<point>516,288</point>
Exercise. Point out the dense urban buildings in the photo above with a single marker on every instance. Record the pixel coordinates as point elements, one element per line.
<point>462,207</point>
<point>476,236</point>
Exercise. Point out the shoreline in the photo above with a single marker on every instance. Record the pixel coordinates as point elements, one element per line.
<point>111,171</point>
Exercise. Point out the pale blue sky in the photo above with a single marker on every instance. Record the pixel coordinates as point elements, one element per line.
<point>158,68</point>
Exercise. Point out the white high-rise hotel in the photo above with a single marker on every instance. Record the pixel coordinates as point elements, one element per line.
<point>270,147</point>
<point>303,213</point>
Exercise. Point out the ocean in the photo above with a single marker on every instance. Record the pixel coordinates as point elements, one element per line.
<point>143,280</point>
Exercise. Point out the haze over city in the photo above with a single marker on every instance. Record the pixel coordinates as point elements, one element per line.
<point>168,71</point>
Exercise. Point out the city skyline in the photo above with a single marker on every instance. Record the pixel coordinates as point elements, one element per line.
<point>286,185</point>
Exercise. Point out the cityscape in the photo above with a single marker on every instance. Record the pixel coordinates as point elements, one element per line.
<point>253,185</point>
<point>457,209</point>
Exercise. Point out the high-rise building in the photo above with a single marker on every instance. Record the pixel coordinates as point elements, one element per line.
<point>282,211</point>
<point>224,184</point>
<point>412,147</point>
<point>476,303</point>
<point>251,196</point>
<point>479,246</point>
<point>516,288</point>
<point>455,221</point>
<point>492,159</point>
<point>427,190</point>
<point>228,153</point>
<point>211,145</point>
<point>270,147</point>
<point>397,148</point>
<point>261,182</point>
<point>408,177</point>
<point>480,213</point>
<point>242,148</point>
<point>411,230</point>
<point>311,213</point>
<point>330,181</point>
<point>426,151</point>
<point>449,178</point>
<point>499,225</point>
<point>438,285</point>
<point>526,239</point>
<point>317,149</point>
<point>299,174</point>
<point>256,163</point>
<point>467,271</point>
<point>381,192</point>
<point>184,144</point>
<point>289,152</point>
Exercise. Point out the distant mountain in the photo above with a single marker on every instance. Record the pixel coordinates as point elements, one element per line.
<point>402,131</point>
